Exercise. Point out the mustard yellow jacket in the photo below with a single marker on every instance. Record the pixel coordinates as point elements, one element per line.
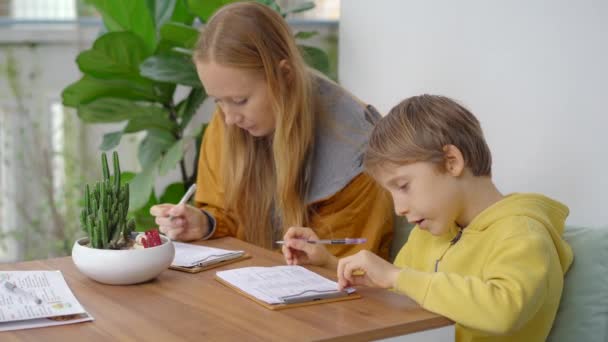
<point>502,280</point>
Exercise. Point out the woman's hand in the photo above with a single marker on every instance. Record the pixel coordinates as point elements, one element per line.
<point>180,222</point>
<point>299,252</point>
<point>367,269</point>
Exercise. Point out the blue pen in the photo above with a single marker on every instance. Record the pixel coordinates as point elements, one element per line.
<point>346,241</point>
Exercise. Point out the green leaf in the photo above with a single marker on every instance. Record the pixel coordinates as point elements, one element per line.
<point>89,88</point>
<point>143,220</point>
<point>115,54</point>
<point>141,187</point>
<point>135,16</point>
<point>110,109</point>
<point>172,69</point>
<point>172,157</point>
<point>173,193</point>
<point>126,177</point>
<point>153,146</point>
<point>300,8</point>
<point>163,11</point>
<point>188,106</point>
<point>104,110</point>
<point>165,92</point>
<point>316,58</point>
<point>179,35</point>
<point>150,121</point>
<point>181,14</point>
<point>176,35</point>
<point>110,140</point>
<point>204,9</point>
<point>306,34</point>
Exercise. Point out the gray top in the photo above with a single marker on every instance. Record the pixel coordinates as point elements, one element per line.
<point>340,140</point>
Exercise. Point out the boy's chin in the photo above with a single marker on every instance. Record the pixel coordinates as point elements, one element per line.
<point>436,231</point>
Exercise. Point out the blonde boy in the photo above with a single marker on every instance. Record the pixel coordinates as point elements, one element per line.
<point>493,264</point>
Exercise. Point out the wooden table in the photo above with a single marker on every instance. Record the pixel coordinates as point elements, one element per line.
<point>182,306</point>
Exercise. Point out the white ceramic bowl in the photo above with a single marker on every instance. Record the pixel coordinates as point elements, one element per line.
<point>122,267</point>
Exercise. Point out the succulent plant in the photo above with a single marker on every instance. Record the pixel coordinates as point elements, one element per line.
<point>104,215</point>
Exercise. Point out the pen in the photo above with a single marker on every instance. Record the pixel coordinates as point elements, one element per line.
<point>346,241</point>
<point>17,290</point>
<point>185,198</point>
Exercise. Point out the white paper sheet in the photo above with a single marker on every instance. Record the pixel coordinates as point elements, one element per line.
<point>19,310</point>
<point>273,284</point>
<point>189,255</point>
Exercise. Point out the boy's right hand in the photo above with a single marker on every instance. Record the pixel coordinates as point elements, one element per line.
<point>189,223</point>
<point>367,269</point>
<point>299,252</point>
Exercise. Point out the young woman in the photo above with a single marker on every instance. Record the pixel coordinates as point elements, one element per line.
<point>284,147</point>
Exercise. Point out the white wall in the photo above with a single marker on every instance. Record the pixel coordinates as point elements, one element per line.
<point>534,72</point>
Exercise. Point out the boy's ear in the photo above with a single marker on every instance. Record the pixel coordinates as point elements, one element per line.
<point>286,71</point>
<point>454,161</point>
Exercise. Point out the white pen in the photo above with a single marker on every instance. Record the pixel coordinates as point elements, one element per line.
<point>19,291</point>
<point>185,198</point>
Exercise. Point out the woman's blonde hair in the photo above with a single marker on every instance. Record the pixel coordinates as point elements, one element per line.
<point>418,129</point>
<point>264,178</point>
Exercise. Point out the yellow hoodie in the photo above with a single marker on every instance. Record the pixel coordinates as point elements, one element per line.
<point>502,280</point>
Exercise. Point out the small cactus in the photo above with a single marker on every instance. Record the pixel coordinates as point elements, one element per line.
<point>104,215</point>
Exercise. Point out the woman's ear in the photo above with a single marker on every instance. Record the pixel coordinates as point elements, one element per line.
<point>285,70</point>
<point>454,161</point>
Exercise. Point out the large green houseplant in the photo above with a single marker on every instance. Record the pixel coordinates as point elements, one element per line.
<point>130,75</point>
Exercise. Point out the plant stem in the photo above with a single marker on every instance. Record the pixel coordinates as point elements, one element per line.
<point>182,167</point>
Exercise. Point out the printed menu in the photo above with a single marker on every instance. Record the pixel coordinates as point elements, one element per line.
<point>32,299</point>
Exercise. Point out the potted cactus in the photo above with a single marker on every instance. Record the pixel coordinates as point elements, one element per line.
<point>104,215</point>
<point>110,254</point>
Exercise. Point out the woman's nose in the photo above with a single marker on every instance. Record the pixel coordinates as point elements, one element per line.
<point>232,118</point>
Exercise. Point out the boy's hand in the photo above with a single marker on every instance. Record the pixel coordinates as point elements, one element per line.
<point>298,252</point>
<point>368,269</point>
<point>180,222</point>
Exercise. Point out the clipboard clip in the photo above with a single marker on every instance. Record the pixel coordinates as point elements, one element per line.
<point>313,295</point>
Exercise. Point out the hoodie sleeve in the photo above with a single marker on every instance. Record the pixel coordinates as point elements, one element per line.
<point>210,194</point>
<point>513,286</point>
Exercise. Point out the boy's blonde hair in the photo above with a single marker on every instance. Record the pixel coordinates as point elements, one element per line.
<point>419,128</point>
<point>264,178</point>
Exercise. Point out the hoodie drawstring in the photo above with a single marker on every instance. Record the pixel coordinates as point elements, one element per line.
<point>452,243</point>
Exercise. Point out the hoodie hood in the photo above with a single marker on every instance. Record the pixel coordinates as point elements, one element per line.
<point>550,213</point>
